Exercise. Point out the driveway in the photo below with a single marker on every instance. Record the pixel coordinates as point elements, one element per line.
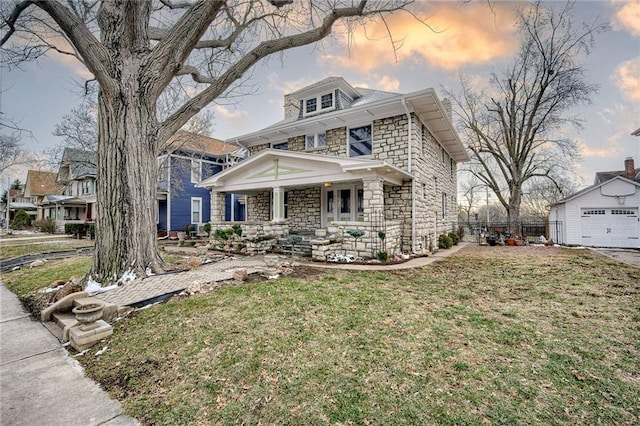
<point>628,256</point>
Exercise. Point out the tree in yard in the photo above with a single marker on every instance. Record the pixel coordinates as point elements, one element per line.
<point>135,50</point>
<point>11,153</point>
<point>514,130</point>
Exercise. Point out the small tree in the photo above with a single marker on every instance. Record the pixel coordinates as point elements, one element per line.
<point>21,220</point>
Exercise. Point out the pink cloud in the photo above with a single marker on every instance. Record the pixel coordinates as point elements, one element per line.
<point>627,78</point>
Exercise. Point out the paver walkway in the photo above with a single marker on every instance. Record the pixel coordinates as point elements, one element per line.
<point>158,285</point>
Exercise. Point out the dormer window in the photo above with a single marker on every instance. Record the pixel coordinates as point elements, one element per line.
<point>319,104</point>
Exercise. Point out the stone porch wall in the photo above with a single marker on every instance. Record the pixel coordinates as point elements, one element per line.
<point>335,239</point>
<point>257,237</point>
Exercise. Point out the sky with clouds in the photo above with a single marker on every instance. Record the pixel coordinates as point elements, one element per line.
<point>466,36</point>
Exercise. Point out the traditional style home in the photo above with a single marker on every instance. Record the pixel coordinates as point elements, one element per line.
<point>355,170</point>
<point>602,215</point>
<point>76,202</point>
<point>188,159</point>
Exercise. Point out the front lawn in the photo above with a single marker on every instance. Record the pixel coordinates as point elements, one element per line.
<point>491,335</point>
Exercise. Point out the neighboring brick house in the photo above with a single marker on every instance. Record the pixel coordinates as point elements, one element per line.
<point>349,158</point>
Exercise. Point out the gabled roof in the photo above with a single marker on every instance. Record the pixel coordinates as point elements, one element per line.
<point>193,142</point>
<point>274,167</point>
<point>605,176</point>
<point>597,186</point>
<point>636,132</point>
<point>373,104</point>
<point>77,163</point>
<point>41,183</point>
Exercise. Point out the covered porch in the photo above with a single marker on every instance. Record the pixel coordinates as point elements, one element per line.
<point>320,199</point>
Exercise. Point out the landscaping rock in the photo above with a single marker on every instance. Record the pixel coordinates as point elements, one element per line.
<point>240,274</point>
<point>194,263</point>
<point>36,263</point>
<point>57,283</point>
<point>194,288</point>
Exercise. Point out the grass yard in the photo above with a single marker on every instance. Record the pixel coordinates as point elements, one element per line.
<point>25,282</point>
<point>22,248</point>
<point>491,335</point>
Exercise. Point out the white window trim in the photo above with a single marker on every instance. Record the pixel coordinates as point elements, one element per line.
<point>319,108</point>
<point>315,141</point>
<point>199,213</point>
<point>196,179</point>
<point>348,150</point>
<point>325,219</point>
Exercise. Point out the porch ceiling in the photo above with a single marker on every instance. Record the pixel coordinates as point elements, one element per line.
<point>276,168</point>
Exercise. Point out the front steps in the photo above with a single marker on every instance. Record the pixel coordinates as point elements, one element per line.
<point>62,323</point>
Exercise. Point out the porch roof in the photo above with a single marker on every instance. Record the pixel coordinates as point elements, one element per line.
<point>278,168</point>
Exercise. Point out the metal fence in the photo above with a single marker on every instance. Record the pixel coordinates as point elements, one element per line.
<point>532,231</point>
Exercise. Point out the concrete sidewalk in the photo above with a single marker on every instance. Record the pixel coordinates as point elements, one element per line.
<point>40,383</point>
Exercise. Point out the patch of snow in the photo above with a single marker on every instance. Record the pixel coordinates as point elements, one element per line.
<point>101,351</point>
<point>81,353</point>
<point>149,272</point>
<point>94,287</point>
<point>128,276</point>
<point>50,290</point>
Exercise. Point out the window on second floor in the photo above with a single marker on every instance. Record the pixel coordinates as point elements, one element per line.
<point>360,141</point>
<point>196,171</point>
<point>315,141</point>
<point>87,187</point>
<point>281,145</point>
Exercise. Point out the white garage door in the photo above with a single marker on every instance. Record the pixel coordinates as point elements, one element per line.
<point>610,227</point>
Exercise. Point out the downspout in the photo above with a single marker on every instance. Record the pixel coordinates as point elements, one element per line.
<point>413,180</point>
<point>169,195</point>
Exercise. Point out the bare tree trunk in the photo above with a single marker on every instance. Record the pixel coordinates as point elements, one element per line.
<point>126,186</point>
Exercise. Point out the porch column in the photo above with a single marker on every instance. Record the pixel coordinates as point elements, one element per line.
<point>277,201</point>
<point>373,196</point>
<point>217,206</point>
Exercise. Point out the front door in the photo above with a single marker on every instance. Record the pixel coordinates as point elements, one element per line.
<point>343,203</point>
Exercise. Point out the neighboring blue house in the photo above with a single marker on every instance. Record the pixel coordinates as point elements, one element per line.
<point>188,159</point>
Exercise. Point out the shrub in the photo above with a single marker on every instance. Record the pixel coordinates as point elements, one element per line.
<point>237,229</point>
<point>220,234</point>
<point>92,231</point>
<point>46,225</point>
<point>207,228</point>
<point>444,241</point>
<point>20,220</point>
<point>382,256</point>
<point>454,238</point>
<point>75,228</point>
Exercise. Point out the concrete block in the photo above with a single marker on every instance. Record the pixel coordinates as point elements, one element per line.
<point>83,339</point>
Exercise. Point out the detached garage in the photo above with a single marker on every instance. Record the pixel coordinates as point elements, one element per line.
<point>603,215</point>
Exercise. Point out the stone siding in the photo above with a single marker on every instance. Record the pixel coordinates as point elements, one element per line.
<point>435,177</point>
<point>304,208</point>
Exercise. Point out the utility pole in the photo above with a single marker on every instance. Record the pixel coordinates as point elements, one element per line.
<point>487,191</point>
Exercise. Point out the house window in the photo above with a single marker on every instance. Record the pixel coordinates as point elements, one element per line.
<point>326,101</point>
<point>86,187</point>
<point>435,184</point>
<point>196,210</point>
<point>311,106</point>
<point>443,155</point>
<point>196,171</point>
<point>360,141</point>
<point>316,141</point>
<point>282,145</point>
<point>451,163</point>
<point>318,104</point>
<point>444,205</point>
<point>163,169</point>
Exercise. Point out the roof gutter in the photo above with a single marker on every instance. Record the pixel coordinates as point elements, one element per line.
<point>409,169</point>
